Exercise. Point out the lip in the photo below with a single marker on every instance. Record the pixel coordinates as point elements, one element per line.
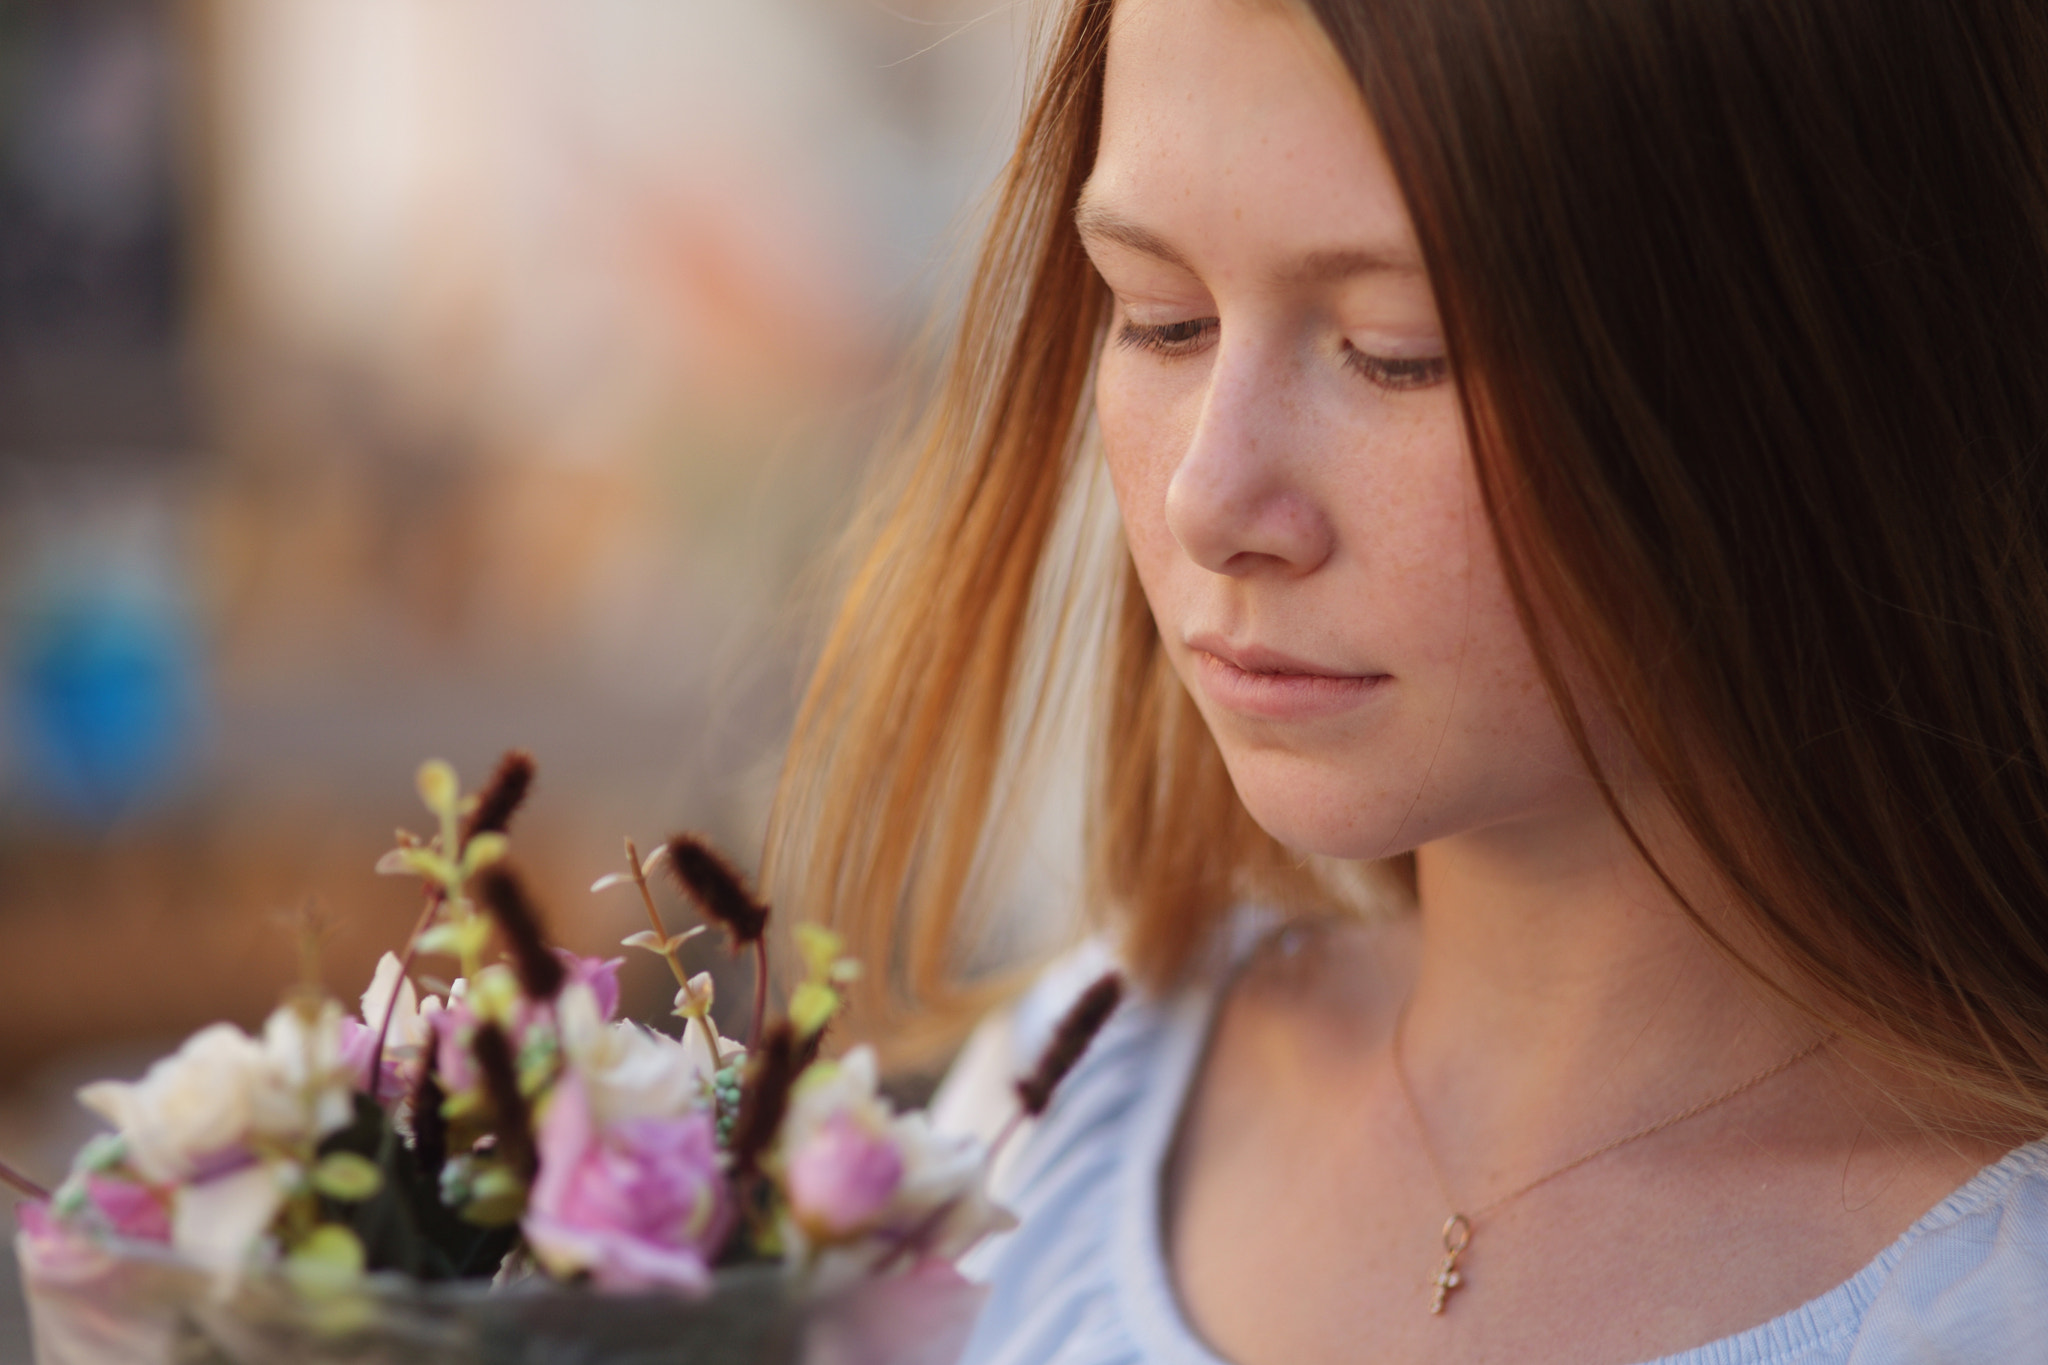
<point>1253,680</point>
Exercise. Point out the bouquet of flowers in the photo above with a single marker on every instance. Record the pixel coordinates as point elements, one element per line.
<point>492,1166</point>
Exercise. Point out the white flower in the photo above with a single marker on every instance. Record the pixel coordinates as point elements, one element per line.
<point>630,1072</point>
<point>204,1107</point>
<point>226,1120</point>
<point>404,1042</point>
<point>306,1084</point>
<point>217,1222</point>
<point>411,1015</point>
<point>193,1106</point>
<point>945,1185</point>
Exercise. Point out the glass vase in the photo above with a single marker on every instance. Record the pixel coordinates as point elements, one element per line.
<point>131,1304</point>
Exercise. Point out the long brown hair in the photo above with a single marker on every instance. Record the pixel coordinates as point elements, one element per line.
<point>1749,299</point>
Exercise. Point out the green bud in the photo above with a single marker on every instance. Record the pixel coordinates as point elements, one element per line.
<point>438,787</point>
<point>102,1153</point>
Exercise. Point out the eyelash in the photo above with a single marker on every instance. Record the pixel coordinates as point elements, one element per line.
<point>1399,373</point>
<point>1171,338</point>
<point>1395,373</point>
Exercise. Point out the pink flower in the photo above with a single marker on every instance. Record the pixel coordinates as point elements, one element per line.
<point>842,1178</point>
<point>639,1204</point>
<point>130,1209</point>
<point>600,974</point>
<point>358,1041</point>
<point>452,1028</point>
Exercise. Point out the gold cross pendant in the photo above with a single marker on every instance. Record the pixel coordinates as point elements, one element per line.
<point>1457,1236</point>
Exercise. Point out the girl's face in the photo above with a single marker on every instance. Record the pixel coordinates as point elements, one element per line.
<point>1284,438</point>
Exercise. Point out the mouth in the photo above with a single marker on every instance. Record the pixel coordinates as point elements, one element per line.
<point>1265,683</point>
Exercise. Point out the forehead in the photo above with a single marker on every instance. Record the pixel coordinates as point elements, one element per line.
<point>1237,119</point>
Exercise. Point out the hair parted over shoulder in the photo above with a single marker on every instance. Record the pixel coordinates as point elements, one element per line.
<point>1748,300</point>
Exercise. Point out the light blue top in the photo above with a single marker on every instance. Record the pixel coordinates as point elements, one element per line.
<point>1083,1280</point>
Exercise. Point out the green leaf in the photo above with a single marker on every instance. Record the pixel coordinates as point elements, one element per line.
<point>812,1005</point>
<point>483,850</point>
<point>463,938</point>
<point>463,1104</point>
<point>819,947</point>
<point>497,1197</point>
<point>494,992</point>
<point>445,937</point>
<point>404,1226</point>
<point>347,1177</point>
<point>655,943</point>
<point>330,1261</point>
<point>424,862</point>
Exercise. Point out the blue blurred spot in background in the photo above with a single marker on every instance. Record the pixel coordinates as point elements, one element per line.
<point>105,694</point>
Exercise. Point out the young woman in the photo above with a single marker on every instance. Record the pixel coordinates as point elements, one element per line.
<point>1589,458</point>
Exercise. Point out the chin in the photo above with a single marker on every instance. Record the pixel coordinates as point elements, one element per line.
<point>1313,810</point>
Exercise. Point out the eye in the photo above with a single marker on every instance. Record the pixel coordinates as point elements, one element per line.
<point>1170,338</point>
<point>1398,373</point>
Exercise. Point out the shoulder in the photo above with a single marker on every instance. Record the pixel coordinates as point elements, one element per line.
<point>1083,1181</point>
<point>1969,1282</point>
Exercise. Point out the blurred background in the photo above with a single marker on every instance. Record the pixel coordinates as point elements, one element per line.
<point>384,379</point>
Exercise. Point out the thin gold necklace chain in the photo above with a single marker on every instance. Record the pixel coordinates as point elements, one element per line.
<point>1458,1227</point>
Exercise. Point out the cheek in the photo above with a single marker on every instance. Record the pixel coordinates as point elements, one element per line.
<point>1145,420</point>
<point>1445,599</point>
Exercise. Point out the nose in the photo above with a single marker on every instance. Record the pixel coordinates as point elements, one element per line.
<point>1238,503</point>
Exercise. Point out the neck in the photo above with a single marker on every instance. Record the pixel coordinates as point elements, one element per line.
<point>1562,994</point>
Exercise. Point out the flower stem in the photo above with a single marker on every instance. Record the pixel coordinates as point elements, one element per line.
<point>675,963</point>
<point>10,1176</point>
<point>912,1242</point>
<point>760,992</point>
<point>458,904</point>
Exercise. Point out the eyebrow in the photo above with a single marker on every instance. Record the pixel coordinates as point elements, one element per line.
<point>1325,266</point>
<point>1097,223</point>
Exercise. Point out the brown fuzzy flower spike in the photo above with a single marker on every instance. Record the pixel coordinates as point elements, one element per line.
<point>765,1100</point>
<point>1078,1027</point>
<point>718,890</point>
<point>429,1128</point>
<point>541,973</point>
<point>500,1072</point>
<point>502,795</point>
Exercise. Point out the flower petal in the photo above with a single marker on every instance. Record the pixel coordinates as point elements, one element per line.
<point>216,1223</point>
